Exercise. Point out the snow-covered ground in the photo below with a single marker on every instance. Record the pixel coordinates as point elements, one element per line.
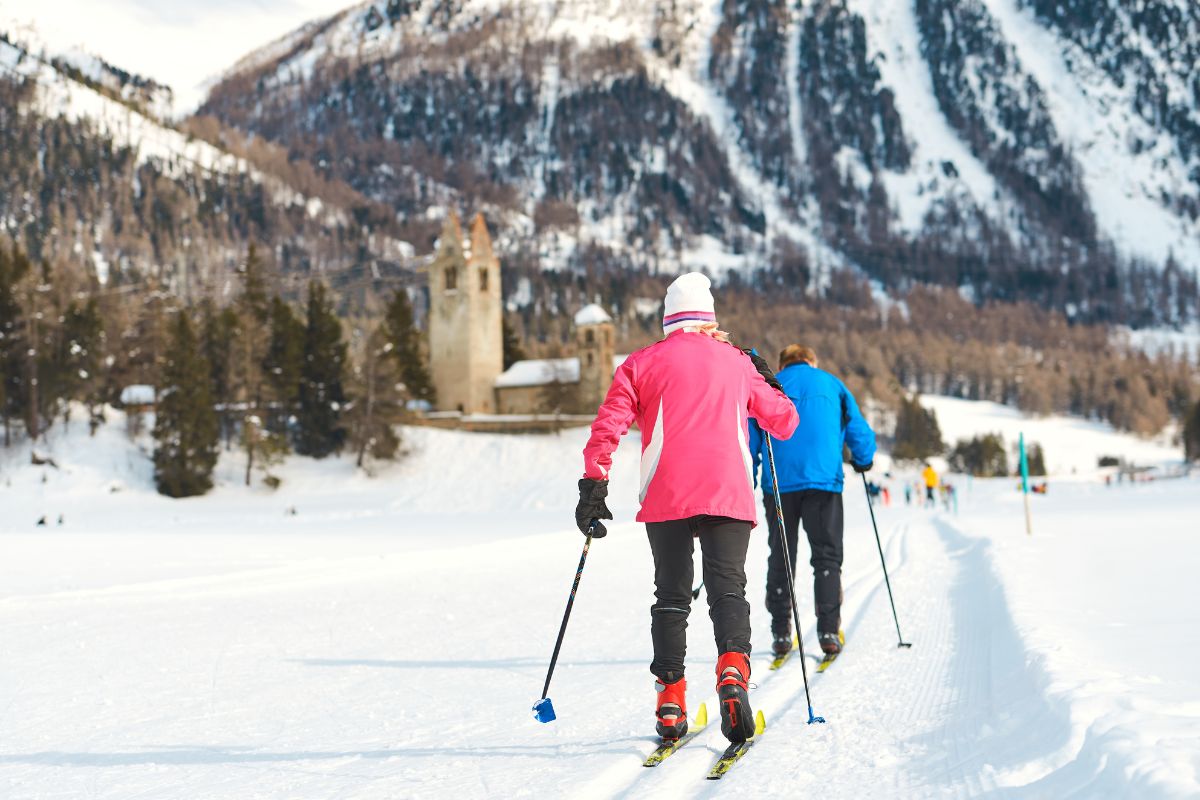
<point>1072,446</point>
<point>388,639</point>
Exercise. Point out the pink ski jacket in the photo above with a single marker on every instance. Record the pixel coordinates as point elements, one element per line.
<point>691,396</point>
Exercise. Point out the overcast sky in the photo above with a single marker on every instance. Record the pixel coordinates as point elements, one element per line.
<point>181,43</point>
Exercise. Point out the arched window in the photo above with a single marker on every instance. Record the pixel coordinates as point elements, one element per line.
<point>483,279</point>
<point>591,358</point>
<point>589,336</point>
<point>451,277</point>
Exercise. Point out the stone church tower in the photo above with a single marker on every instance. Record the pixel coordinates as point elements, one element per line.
<point>594,341</point>
<point>466,350</point>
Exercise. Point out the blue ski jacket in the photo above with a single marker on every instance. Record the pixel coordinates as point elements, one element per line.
<point>829,419</point>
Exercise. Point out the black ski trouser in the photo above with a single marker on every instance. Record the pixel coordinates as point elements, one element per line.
<point>723,544</point>
<point>821,514</point>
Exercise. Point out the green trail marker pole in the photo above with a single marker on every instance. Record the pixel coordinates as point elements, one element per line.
<point>1025,485</point>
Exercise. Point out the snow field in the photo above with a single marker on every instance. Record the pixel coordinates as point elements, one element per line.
<point>389,638</point>
<point>1072,446</point>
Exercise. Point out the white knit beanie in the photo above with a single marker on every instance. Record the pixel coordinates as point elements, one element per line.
<point>689,303</point>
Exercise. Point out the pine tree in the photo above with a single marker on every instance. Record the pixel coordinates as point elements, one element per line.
<point>402,332</point>
<point>918,435</point>
<point>186,424</point>
<point>1035,460</point>
<point>378,400</point>
<point>282,364</point>
<point>81,354</point>
<point>321,394</point>
<point>13,268</point>
<point>218,333</point>
<point>982,456</point>
<point>1191,434</point>
<point>513,352</point>
<point>253,310</point>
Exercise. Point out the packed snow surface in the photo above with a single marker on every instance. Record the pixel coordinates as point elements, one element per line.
<point>385,636</point>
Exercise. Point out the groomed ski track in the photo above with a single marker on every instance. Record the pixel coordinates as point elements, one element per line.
<point>389,639</point>
<point>412,674</point>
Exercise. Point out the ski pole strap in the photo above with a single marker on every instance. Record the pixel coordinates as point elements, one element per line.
<point>567,615</point>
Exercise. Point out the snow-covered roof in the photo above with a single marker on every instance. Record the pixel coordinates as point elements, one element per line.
<point>539,372</point>
<point>591,315</point>
<point>543,371</point>
<point>139,394</point>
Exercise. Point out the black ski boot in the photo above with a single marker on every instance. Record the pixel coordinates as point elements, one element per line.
<point>831,643</point>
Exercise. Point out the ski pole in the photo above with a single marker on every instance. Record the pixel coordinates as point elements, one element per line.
<point>543,709</point>
<point>787,563</point>
<point>696,591</point>
<point>883,561</point>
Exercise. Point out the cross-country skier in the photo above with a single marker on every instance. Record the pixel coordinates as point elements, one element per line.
<point>691,395</point>
<point>809,465</point>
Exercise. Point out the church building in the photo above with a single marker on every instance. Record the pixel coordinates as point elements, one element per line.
<point>466,349</point>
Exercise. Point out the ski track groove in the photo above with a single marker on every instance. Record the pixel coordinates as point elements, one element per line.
<point>963,712</point>
<point>712,742</point>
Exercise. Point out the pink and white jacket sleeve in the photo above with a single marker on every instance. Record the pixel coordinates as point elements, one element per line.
<point>612,421</point>
<point>774,410</point>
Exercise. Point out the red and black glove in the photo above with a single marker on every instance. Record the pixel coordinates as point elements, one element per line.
<point>592,508</point>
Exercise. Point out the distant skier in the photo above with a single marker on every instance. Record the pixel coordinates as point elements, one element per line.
<point>930,478</point>
<point>810,485</point>
<point>691,395</point>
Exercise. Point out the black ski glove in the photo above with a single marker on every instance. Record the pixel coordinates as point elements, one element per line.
<point>761,365</point>
<point>592,508</point>
<point>861,468</point>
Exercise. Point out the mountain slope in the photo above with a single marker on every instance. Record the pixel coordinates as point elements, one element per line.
<point>91,177</point>
<point>981,144</point>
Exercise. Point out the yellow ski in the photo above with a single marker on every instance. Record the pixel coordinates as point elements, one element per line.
<point>781,660</point>
<point>832,657</point>
<point>667,749</point>
<point>736,750</point>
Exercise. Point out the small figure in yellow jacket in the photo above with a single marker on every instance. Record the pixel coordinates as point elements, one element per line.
<point>930,476</point>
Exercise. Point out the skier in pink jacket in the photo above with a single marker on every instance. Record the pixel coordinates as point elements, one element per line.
<point>691,395</point>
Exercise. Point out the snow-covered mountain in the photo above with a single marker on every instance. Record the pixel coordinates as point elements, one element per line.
<point>1015,148</point>
<point>93,174</point>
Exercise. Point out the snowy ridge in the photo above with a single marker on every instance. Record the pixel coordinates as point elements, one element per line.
<point>892,33</point>
<point>1098,122</point>
<point>60,96</point>
<point>957,181</point>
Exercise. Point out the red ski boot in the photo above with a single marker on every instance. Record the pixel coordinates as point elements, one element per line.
<point>671,711</point>
<point>737,719</point>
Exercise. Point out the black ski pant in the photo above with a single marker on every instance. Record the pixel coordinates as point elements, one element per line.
<point>723,544</point>
<point>821,514</point>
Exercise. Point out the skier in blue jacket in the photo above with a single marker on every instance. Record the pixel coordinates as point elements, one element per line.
<point>809,466</point>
